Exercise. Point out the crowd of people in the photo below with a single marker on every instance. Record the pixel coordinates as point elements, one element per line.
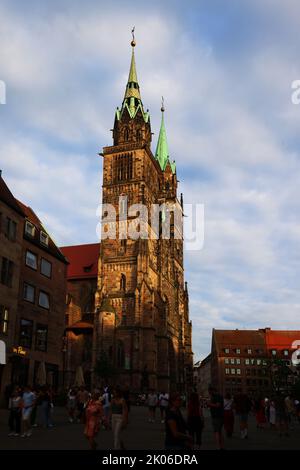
<point>24,404</point>
<point>109,409</point>
<point>279,412</point>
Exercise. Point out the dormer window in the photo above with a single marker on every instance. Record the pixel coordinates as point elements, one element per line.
<point>87,269</point>
<point>29,229</point>
<point>44,238</point>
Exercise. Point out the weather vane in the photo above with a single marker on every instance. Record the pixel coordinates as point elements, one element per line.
<point>162,104</point>
<point>133,43</point>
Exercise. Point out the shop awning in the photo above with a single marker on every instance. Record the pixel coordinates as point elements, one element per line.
<point>81,328</point>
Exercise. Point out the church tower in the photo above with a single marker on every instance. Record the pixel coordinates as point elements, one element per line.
<point>142,321</point>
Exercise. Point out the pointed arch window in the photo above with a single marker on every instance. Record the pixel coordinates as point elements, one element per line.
<point>120,354</point>
<point>138,135</point>
<point>123,167</point>
<point>126,134</point>
<point>123,282</point>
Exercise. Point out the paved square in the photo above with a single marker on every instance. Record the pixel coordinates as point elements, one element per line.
<point>140,434</point>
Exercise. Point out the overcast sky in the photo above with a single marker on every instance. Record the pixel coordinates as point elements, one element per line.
<point>225,69</point>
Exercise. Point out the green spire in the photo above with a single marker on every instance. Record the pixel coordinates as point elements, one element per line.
<point>132,88</point>
<point>132,99</point>
<point>162,149</point>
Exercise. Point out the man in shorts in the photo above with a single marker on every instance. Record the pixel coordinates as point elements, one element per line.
<point>28,401</point>
<point>152,403</point>
<point>163,404</point>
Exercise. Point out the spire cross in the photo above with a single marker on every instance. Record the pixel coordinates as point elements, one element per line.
<point>133,43</point>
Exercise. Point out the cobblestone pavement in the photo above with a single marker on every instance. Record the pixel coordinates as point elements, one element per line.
<point>140,434</point>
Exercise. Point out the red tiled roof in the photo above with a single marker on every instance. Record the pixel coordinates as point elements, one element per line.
<point>33,218</point>
<point>83,260</point>
<point>8,198</point>
<point>30,214</point>
<point>281,339</point>
<point>235,338</point>
<point>239,336</point>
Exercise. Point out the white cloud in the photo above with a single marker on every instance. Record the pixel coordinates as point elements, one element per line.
<point>231,128</point>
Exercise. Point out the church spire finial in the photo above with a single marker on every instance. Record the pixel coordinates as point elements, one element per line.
<point>132,102</point>
<point>132,88</point>
<point>133,43</point>
<point>162,105</point>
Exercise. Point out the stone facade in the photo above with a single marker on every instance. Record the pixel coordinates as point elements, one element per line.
<point>142,317</point>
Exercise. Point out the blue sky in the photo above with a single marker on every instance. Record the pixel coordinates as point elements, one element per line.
<point>225,70</point>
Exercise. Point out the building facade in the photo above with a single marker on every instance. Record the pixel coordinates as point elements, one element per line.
<point>40,322</point>
<point>81,287</point>
<point>11,239</point>
<point>142,318</point>
<point>248,361</point>
<point>32,297</point>
<point>202,376</point>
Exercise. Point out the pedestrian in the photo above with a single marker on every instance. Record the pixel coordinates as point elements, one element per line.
<point>216,405</point>
<point>71,404</point>
<point>163,404</point>
<point>228,415</point>
<point>272,414</point>
<point>126,396</point>
<point>14,406</point>
<point>282,417</point>
<point>82,399</point>
<point>243,406</point>
<point>93,416</point>
<point>177,437</point>
<point>119,417</point>
<point>106,399</point>
<point>152,403</point>
<point>45,404</point>
<point>34,409</point>
<point>290,409</point>
<point>297,409</point>
<point>195,420</point>
<point>28,401</point>
<point>260,413</point>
